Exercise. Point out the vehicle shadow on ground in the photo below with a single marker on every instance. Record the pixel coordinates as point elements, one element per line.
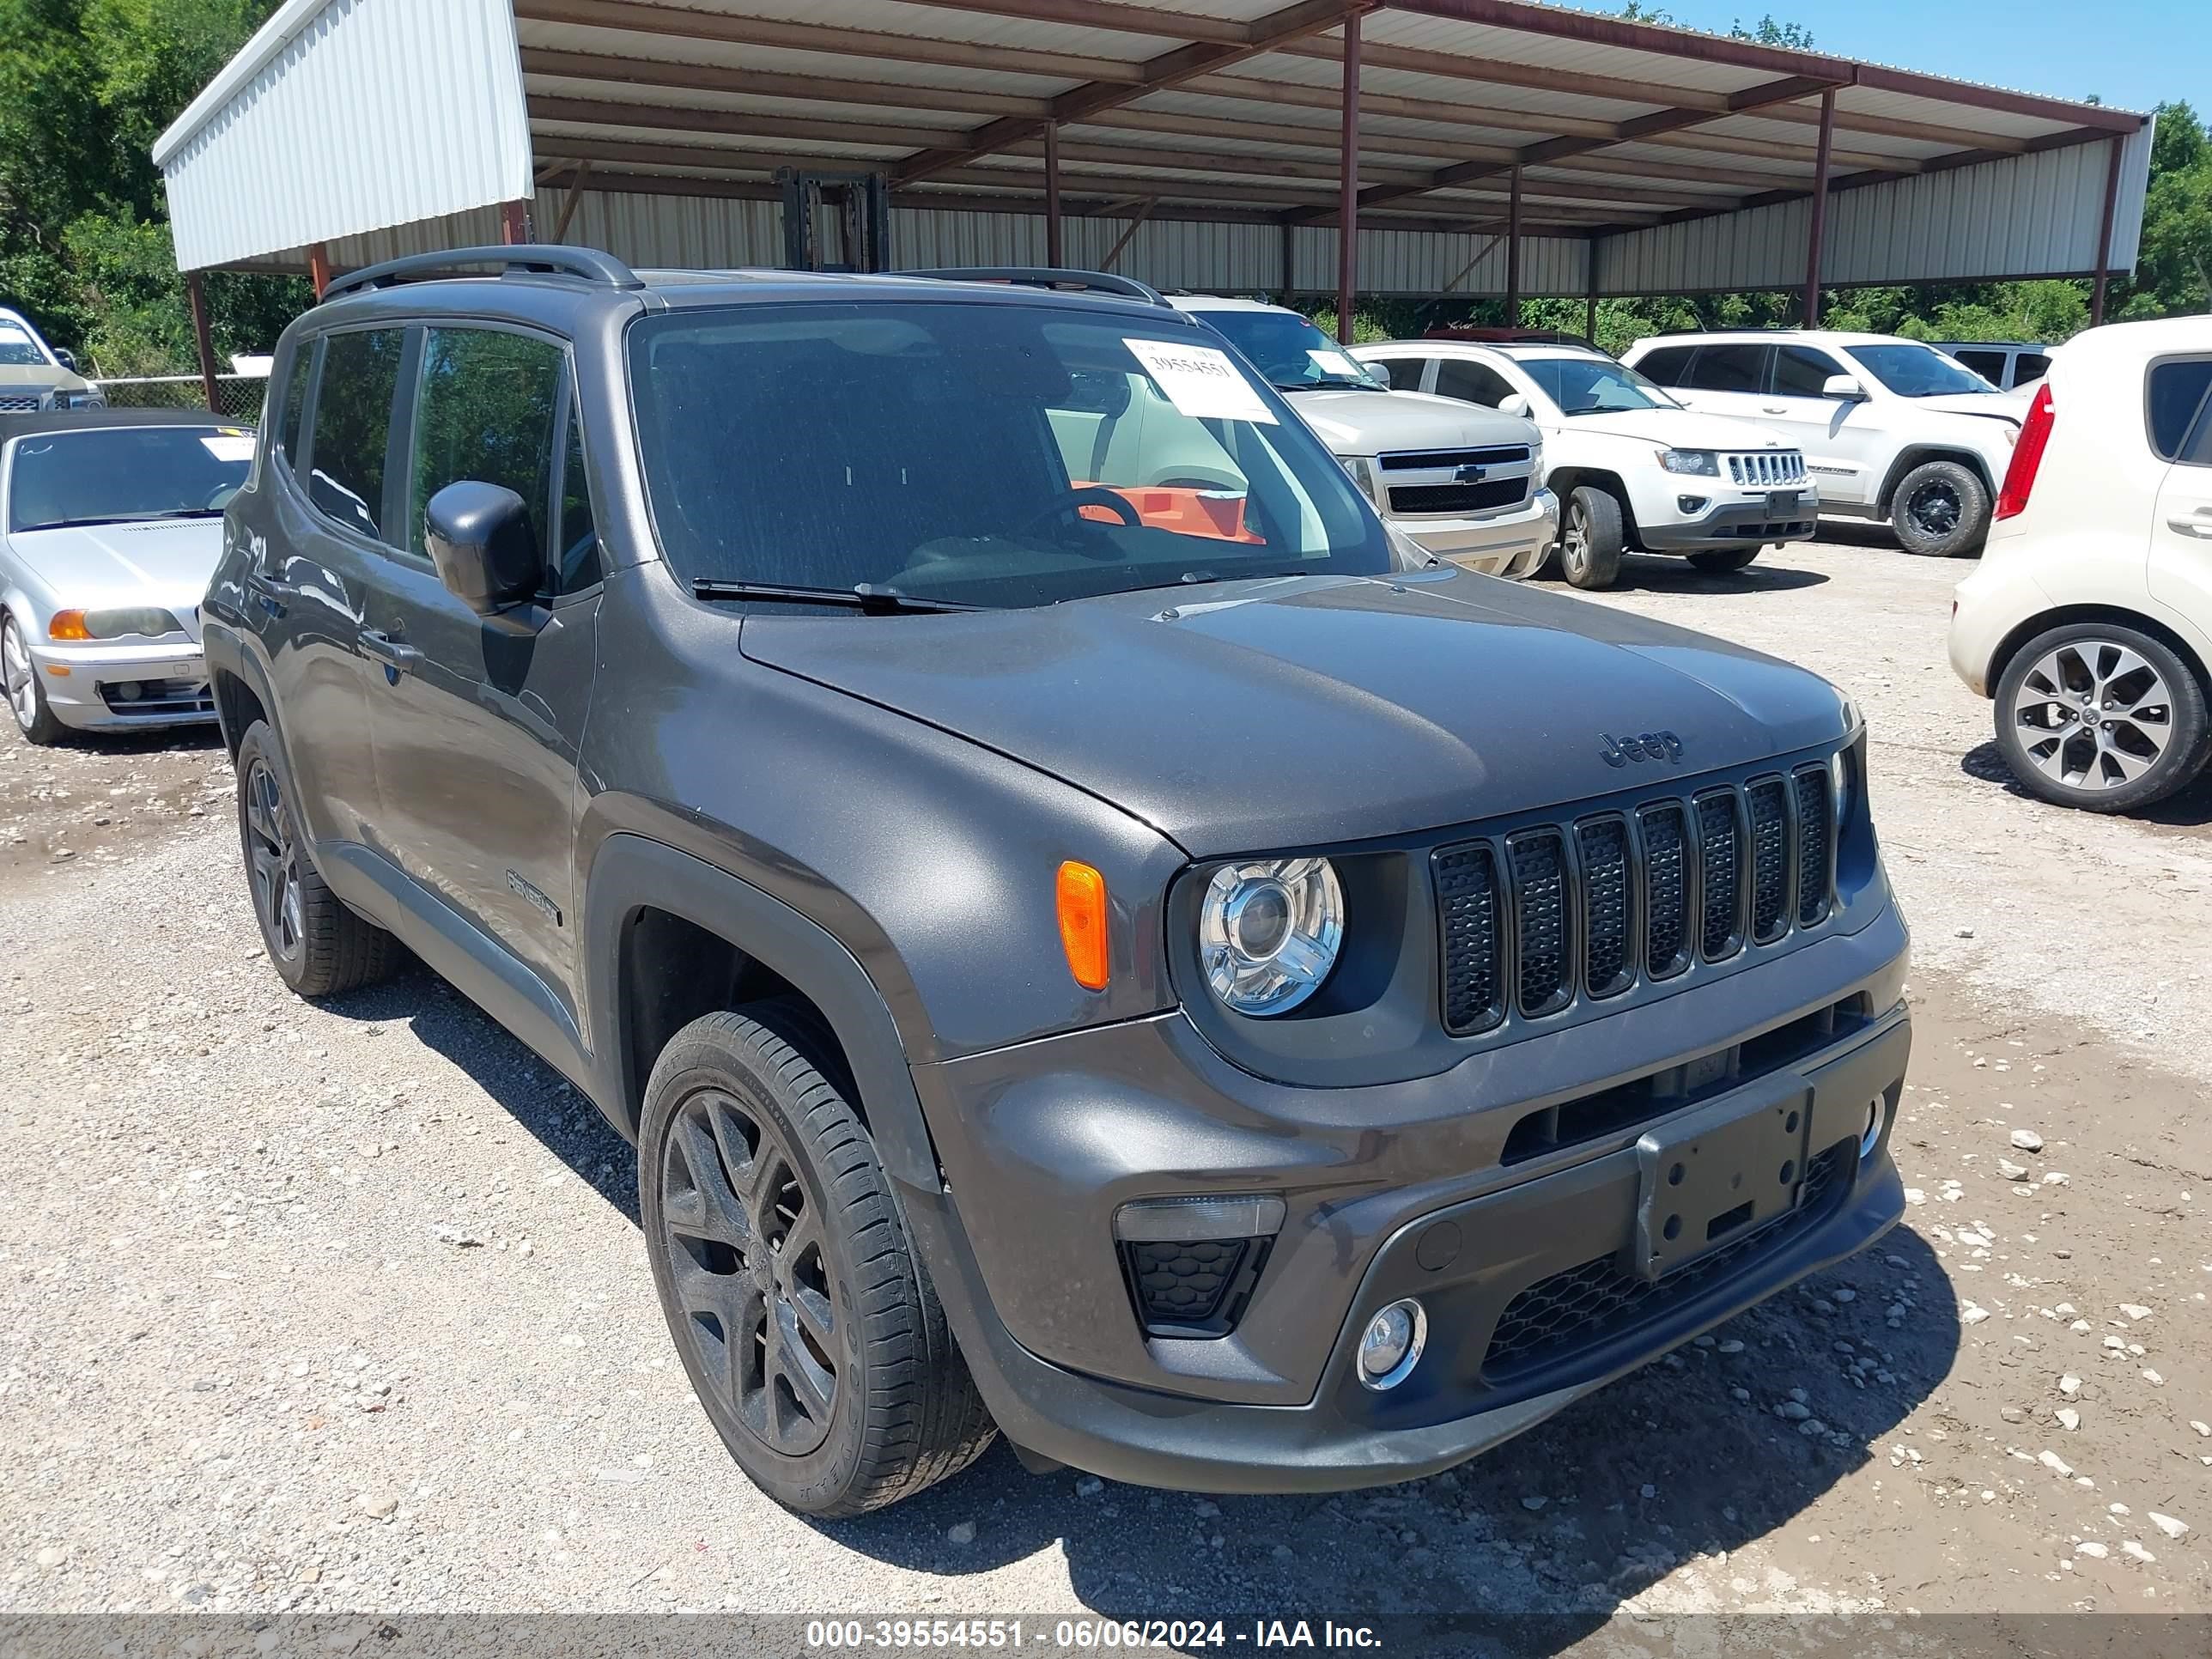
<point>1653,575</point>
<point>2187,813</point>
<point>1664,1468</point>
<point>539,1099</point>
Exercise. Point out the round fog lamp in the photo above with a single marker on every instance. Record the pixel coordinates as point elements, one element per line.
<point>1391,1346</point>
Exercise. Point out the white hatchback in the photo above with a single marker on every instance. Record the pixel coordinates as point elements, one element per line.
<point>2090,620</point>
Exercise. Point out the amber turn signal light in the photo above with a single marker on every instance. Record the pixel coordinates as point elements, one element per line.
<point>68,625</point>
<point>1081,892</point>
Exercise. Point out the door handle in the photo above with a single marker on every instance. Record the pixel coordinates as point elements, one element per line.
<point>395,654</point>
<point>2198,525</point>
<point>266,594</point>
<point>1774,408</point>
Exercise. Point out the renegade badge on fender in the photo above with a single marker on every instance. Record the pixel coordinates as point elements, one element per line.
<point>1083,923</point>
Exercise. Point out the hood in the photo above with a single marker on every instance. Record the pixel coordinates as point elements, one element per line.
<point>42,375</point>
<point>165,561</point>
<point>1995,404</point>
<point>1301,712</point>
<point>1376,423</point>
<point>1676,428</point>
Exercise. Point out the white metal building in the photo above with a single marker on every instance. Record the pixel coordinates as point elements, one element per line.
<point>1214,144</point>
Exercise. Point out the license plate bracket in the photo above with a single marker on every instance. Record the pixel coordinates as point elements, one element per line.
<point>1711,1175</point>
<point>1781,501</point>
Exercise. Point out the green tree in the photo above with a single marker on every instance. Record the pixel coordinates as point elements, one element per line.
<point>1768,33</point>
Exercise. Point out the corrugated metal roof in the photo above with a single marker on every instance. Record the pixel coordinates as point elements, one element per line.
<point>712,95</point>
<point>252,164</point>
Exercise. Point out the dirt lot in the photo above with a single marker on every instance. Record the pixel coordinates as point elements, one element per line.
<point>345,1308</point>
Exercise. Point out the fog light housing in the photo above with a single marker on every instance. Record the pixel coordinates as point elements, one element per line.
<point>1877,1110</point>
<point>1690,503</point>
<point>1391,1345</point>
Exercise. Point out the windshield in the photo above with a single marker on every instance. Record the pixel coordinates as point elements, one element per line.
<point>997,454</point>
<point>18,348</point>
<point>1294,354</point>
<point>1593,385</point>
<point>102,475</point>
<point>1914,371</point>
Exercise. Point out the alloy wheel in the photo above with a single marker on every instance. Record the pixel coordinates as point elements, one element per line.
<point>2092,715</point>
<point>1574,540</point>
<point>15,666</point>
<point>1935,509</point>
<point>272,851</point>
<point>750,1272</point>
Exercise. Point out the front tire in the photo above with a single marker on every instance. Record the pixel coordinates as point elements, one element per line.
<point>804,1317</point>
<point>1591,540</point>
<point>1941,511</point>
<point>26,698</point>
<point>318,944</point>
<point>1725,561</point>
<point>2102,717</point>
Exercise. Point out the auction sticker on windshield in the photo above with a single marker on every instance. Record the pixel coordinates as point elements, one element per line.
<point>228,446</point>
<point>1335,362</point>
<point>1200,381</point>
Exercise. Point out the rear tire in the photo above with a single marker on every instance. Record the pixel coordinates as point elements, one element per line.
<point>1726,560</point>
<point>1591,540</point>
<point>2141,734</point>
<point>1941,511</point>
<point>26,697</point>
<point>804,1317</point>
<point>318,944</point>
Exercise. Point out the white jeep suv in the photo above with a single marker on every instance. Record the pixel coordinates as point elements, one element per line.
<point>2089,621</point>
<point>1891,430</point>
<point>1465,484</point>
<point>1632,468</point>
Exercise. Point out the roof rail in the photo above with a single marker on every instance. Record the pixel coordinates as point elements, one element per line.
<point>529,258</point>
<point>1095,282</point>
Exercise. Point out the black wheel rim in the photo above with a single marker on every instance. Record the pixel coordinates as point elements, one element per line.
<point>272,857</point>
<point>751,1276</point>
<point>1935,509</point>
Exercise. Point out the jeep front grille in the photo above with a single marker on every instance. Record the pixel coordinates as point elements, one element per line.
<point>1766,466</point>
<point>1533,922</point>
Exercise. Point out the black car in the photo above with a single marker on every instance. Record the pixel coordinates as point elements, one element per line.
<point>1092,937</point>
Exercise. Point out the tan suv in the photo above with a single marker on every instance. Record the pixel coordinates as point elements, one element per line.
<point>34,376</point>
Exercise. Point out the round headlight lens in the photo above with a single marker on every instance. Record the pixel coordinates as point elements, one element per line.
<point>1268,932</point>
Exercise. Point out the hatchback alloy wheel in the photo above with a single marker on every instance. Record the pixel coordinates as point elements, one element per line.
<point>746,1248</point>
<point>2091,714</point>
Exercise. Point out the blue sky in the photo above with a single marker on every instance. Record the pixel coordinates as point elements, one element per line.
<point>2129,52</point>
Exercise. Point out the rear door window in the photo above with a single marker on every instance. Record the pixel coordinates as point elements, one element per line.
<point>353,427</point>
<point>580,565</point>
<point>1730,368</point>
<point>1404,374</point>
<point>1667,365</point>
<point>2181,409</point>
<point>1800,371</point>
<point>485,413</point>
<point>293,410</point>
<point>1990,365</point>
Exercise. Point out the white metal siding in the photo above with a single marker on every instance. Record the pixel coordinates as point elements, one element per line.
<point>2027,216</point>
<point>371,114</point>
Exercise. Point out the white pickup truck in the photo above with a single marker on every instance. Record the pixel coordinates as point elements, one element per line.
<point>1632,468</point>
<point>1466,484</point>
<point>1891,430</point>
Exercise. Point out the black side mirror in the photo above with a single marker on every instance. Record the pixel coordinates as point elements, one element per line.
<point>480,538</point>
<point>66,358</point>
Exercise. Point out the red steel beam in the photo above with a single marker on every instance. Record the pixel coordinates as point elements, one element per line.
<point>2104,230</point>
<point>1170,68</point>
<point>1347,202</point>
<point>514,224</point>
<point>1052,236</point>
<point>318,267</point>
<point>203,342</point>
<point>1820,212</point>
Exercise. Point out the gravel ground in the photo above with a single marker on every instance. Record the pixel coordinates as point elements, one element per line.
<point>344,1308</point>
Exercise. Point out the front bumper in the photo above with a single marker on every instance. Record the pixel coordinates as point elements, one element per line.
<point>1514,543</point>
<point>1041,1147</point>
<point>1780,516</point>
<point>111,687</point>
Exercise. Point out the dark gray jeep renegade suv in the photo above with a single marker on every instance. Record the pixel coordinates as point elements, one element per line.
<point>1091,937</point>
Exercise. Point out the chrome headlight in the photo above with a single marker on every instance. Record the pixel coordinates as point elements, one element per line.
<point>148,624</point>
<point>1704,462</point>
<point>1268,931</point>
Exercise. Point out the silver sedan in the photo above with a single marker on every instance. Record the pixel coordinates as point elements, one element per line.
<point>111,521</point>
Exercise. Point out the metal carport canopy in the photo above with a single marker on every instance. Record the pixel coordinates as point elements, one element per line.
<point>1201,146</point>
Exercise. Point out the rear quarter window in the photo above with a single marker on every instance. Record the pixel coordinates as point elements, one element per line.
<point>1730,368</point>
<point>1666,365</point>
<point>2181,409</point>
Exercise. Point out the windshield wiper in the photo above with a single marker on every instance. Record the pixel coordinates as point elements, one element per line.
<point>865,597</point>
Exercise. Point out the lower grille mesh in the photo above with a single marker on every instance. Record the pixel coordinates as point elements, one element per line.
<point>1560,1316</point>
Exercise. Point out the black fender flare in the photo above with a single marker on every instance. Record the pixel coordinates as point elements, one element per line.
<point>632,873</point>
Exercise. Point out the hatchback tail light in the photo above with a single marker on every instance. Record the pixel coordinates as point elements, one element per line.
<point>2026,456</point>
